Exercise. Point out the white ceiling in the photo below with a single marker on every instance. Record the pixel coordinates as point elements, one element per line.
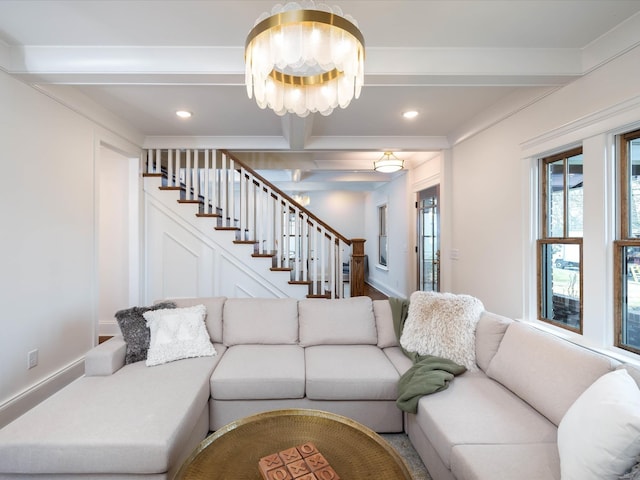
<point>462,64</point>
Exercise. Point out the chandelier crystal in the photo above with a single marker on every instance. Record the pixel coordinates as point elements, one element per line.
<point>388,163</point>
<point>303,58</point>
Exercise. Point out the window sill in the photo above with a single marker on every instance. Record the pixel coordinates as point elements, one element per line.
<point>382,267</point>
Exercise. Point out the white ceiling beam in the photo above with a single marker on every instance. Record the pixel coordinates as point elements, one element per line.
<point>332,186</point>
<point>297,130</point>
<point>225,65</point>
<point>474,61</point>
<point>380,143</point>
<point>247,142</point>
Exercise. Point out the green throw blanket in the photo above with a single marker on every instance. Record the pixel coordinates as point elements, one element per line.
<point>429,374</point>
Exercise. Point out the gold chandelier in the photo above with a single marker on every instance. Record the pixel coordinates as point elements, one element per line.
<point>302,58</point>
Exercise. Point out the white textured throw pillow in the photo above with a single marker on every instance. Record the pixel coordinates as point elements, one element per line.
<point>599,436</point>
<point>177,333</point>
<point>444,325</point>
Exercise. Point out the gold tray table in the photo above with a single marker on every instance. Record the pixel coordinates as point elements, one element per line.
<point>353,450</point>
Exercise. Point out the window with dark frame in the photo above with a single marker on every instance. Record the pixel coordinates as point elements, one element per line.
<point>627,248</point>
<point>382,235</point>
<point>559,247</point>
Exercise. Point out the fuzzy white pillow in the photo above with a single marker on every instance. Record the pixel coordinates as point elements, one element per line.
<point>177,333</point>
<point>599,436</point>
<point>444,325</point>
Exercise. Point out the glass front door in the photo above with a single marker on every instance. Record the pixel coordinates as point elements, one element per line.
<point>429,239</point>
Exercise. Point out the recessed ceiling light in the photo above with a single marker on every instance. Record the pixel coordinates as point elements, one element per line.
<point>183,114</point>
<point>410,114</point>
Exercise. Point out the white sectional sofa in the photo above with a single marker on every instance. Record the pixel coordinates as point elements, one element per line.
<point>132,421</point>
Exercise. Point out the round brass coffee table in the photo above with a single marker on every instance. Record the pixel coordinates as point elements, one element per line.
<point>353,450</point>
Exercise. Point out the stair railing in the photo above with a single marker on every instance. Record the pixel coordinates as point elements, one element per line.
<point>261,214</point>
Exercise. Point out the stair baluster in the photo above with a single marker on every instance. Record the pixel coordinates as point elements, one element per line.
<point>277,226</point>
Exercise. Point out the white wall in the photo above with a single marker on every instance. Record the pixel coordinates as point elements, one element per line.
<point>394,280</point>
<point>399,279</point>
<point>114,232</point>
<point>493,222</point>
<point>343,210</point>
<point>47,246</point>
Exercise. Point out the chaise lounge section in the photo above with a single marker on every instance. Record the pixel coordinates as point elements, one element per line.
<point>125,421</point>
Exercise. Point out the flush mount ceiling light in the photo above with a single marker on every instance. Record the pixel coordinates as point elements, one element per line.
<point>183,114</point>
<point>410,114</point>
<point>388,163</point>
<point>303,58</point>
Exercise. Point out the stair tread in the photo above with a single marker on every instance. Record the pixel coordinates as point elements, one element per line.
<point>228,222</point>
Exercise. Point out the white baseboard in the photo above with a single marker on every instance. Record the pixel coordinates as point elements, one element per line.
<point>28,399</point>
<point>389,292</point>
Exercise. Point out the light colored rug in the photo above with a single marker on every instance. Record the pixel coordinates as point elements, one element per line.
<point>403,446</point>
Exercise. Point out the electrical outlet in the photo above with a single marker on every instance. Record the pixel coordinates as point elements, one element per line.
<point>32,359</point>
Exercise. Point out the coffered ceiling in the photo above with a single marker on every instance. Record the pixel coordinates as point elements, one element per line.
<point>462,64</point>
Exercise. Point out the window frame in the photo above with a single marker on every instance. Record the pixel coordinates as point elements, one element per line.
<point>625,239</point>
<point>546,239</point>
<point>383,261</point>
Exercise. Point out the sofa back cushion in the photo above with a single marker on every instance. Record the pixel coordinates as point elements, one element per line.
<point>384,324</point>
<point>489,332</point>
<point>545,371</point>
<point>347,321</point>
<point>213,320</point>
<point>265,321</point>
<point>632,370</point>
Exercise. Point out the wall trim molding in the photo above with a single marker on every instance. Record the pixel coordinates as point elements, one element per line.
<point>611,119</point>
<point>201,230</point>
<point>108,328</point>
<point>29,398</point>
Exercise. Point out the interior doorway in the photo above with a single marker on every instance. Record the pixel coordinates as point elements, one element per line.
<point>428,248</point>
<point>117,234</point>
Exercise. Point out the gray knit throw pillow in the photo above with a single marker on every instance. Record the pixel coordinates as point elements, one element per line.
<point>135,331</point>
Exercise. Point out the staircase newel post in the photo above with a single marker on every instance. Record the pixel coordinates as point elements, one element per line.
<point>357,267</point>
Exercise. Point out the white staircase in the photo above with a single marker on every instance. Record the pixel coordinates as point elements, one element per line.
<point>215,227</point>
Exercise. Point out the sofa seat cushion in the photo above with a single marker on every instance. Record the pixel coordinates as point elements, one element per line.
<point>135,421</point>
<point>349,372</point>
<point>477,410</point>
<point>249,372</point>
<point>533,461</point>
<point>399,359</point>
